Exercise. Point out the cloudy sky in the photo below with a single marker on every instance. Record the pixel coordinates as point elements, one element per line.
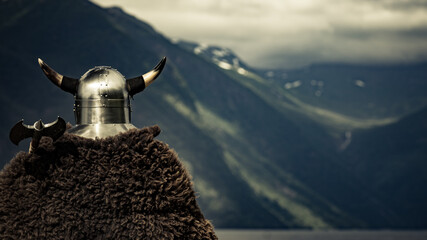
<point>293,33</point>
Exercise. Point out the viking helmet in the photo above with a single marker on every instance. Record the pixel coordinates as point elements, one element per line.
<point>102,98</point>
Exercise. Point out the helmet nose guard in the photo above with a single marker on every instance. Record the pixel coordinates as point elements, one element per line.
<point>102,104</point>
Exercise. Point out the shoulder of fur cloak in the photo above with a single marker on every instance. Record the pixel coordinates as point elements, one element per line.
<point>129,186</point>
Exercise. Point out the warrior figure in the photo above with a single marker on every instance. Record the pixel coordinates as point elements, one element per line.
<point>103,178</point>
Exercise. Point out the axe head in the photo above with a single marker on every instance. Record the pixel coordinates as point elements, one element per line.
<point>22,131</point>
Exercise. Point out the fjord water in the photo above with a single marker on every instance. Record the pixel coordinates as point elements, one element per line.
<point>320,235</point>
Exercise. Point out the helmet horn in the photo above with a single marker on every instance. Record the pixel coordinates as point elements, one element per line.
<point>65,83</point>
<point>137,84</point>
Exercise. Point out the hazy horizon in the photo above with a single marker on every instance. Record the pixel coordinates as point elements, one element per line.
<point>290,33</point>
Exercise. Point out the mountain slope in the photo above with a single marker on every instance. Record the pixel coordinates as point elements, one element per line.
<point>397,166</point>
<point>360,96</point>
<point>360,91</point>
<point>296,110</point>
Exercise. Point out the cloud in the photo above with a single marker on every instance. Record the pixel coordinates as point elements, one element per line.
<point>293,33</point>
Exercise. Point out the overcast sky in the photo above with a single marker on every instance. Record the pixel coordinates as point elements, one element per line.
<point>293,33</point>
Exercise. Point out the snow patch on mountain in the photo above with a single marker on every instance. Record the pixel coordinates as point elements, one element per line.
<point>200,48</point>
<point>224,65</point>
<point>359,83</point>
<point>295,84</point>
<point>222,57</point>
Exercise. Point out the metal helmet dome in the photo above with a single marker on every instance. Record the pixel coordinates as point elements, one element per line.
<point>102,98</point>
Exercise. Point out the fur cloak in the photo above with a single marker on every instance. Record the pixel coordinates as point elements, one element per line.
<point>129,186</point>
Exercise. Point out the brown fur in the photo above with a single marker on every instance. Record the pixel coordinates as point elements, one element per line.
<point>129,186</point>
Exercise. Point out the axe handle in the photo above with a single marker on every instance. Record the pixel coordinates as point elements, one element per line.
<point>35,141</point>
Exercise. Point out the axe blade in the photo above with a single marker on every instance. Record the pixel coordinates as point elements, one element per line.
<point>55,129</point>
<point>20,131</point>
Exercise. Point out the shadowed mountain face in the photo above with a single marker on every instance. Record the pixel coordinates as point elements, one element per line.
<point>261,154</point>
<point>397,165</point>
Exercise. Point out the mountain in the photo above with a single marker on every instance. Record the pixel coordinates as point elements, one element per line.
<point>397,156</point>
<point>356,130</point>
<point>262,155</point>
<point>358,91</point>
